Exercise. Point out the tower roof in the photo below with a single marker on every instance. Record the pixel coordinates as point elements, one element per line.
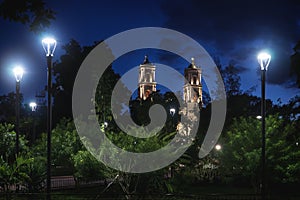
<point>146,60</point>
<point>192,65</point>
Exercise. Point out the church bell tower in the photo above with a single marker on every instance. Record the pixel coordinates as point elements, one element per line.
<point>192,89</point>
<point>147,83</point>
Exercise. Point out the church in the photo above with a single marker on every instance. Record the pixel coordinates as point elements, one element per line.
<point>148,95</point>
<point>192,88</point>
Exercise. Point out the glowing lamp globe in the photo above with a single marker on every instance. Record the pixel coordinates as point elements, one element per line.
<point>18,72</point>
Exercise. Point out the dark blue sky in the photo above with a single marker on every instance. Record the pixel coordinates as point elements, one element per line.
<point>234,31</point>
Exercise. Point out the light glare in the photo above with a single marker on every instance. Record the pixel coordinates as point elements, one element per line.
<point>49,45</point>
<point>172,111</point>
<point>33,106</point>
<point>18,72</point>
<point>49,41</point>
<point>218,147</point>
<point>264,60</point>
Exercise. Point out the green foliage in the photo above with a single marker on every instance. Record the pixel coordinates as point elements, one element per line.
<point>8,142</point>
<point>87,168</point>
<point>129,183</point>
<point>133,144</point>
<point>36,174</point>
<point>15,173</point>
<point>283,154</point>
<point>65,143</point>
<point>241,153</point>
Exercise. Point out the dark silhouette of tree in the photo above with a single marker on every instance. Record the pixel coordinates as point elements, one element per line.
<point>32,12</point>
<point>103,102</point>
<point>139,109</point>
<point>7,108</point>
<point>232,80</point>
<point>295,62</point>
<point>65,72</point>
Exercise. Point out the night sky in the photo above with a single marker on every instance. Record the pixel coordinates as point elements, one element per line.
<point>233,31</point>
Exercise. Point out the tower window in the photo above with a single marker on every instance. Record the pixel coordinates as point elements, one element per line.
<point>194,80</point>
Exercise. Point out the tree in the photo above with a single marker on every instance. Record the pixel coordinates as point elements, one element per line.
<point>295,60</point>
<point>103,103</point>
<point>13,174</point>
<point>26,169</point>
<point>31,123</point>
<point>7,108</point>
<point>35,171</point>
<point>139,109</point>
<point>240,158</point>
<point>32,12</point>
<point>8,143</point>
<point>65,72</point>
<point>232,81</point>
<point>87,168</point>
<point>65,143</point>
<point>129,183</point>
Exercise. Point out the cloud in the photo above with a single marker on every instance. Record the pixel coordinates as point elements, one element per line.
<point>237,30</point>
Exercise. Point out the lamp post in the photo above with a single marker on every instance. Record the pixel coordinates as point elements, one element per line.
<point>33,106</point>
<point>49,45</point>
<point>172,113</point>
<point>18,72</point>
<point>264,61</point>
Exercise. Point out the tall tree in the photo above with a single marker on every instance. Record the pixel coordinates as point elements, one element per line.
<point>240,157</point>
<point>7,108</point>
<point>232,81</point>
<point>32,12</point>
<point>65,72</point>
<point>295,62</point>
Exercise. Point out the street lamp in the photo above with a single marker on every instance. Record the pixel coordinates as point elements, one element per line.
<point>258,117</point>
<point>172,113</point>
<point>105,124</point>
<point>18,72</point>
<point>49,45</point>
<point>218,147</point>
<point>33,106</point>
<point>264,61</point>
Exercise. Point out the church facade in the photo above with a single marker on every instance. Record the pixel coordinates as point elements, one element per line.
<point>192,88</point>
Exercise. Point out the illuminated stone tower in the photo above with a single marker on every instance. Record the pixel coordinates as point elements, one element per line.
<point>192,89</point>
<point>147,83</point>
